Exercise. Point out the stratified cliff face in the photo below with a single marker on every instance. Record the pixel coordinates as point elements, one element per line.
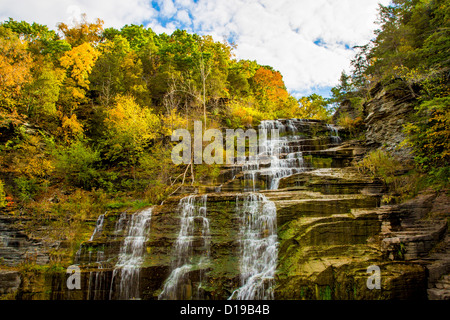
<point>386,113</point>
<point>331,229</point>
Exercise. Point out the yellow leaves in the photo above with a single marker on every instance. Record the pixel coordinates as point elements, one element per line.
<point>77,93</point>
<point>352,125</point>
<point>15,65</point>
<point>430,135</point>
<point>244,115</point>
<point>3,200</point>
<point>80,61</point>
<point>14,74</point>
<point>172,121</point>
<point>310,109</point>
<point>70,128</point>
<point>439,133</point>
<point>130,125</point>
<point>38,167</point>
<point>31,160</point>
<point>410,75</point>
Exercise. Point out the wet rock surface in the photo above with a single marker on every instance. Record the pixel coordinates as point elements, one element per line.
<point>331,227</point>
<point>16,246</point>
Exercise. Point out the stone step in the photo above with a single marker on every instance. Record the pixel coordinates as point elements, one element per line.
<point>438,294</point>
<point>333,181</point>
<point>291,206</point>
<point>442,285</point>
<point>446,278</point>
<point>441,289</point>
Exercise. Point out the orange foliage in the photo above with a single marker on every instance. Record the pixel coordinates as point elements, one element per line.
<point>270,85</point>
<point>9,202</point>
<point>82,32</point>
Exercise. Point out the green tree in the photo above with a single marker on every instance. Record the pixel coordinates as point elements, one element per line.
<point>412,47</point>
<point>41,40</point>
<point>429,136</point>
<point>314,107</point>
<point>118,70</point>
<point>42,93</point>
<point>343,89</point>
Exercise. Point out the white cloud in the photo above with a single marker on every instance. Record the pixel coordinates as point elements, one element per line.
<point>167,8</point>
<point>115,13</point>
<point>183,17</point>
<point>280,33</point>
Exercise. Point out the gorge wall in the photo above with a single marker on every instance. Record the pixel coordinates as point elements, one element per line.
<point>308,207</point>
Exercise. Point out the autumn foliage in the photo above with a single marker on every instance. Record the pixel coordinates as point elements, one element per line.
<point>94,108</point>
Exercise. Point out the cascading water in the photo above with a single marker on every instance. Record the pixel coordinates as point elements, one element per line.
<point>97,279</point>
<point>278,157</point>
<point>285,159</point>
<point>334,136</point>
<point>192,250</point>
<point>131,256</point>
<point>97,230</point>
<point>98,226</point>
<point>259,247</point>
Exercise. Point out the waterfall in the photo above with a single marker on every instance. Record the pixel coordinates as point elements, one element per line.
<point>334,136</point>
<point>192,250</point>
<point>287,160</point>
<point>259,247</point>
<point>98,226</point>
<point>131,255</point>
<point>98,229</point>
<point>278,157</point>
<point>97,279</point>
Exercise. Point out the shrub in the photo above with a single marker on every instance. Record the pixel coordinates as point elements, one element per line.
<point>386,167</point>
<point>243,116</point>
<point>76,163</point>
<point>3,201</point>
<point>354,126</point>
<point>27,188</point>
<point>429,137</point>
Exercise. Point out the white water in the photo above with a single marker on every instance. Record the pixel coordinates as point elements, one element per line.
<point>98,226</point>
<point>257,215</point>
<point>97,230</point>
<point>278,157</point>
<point>131,256</point>
<point>194,227</point>
<point>334,134</point>
<point>97,279</point>
<point>259,247</point>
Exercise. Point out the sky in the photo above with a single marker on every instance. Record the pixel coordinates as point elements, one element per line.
<point>309,41</point>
